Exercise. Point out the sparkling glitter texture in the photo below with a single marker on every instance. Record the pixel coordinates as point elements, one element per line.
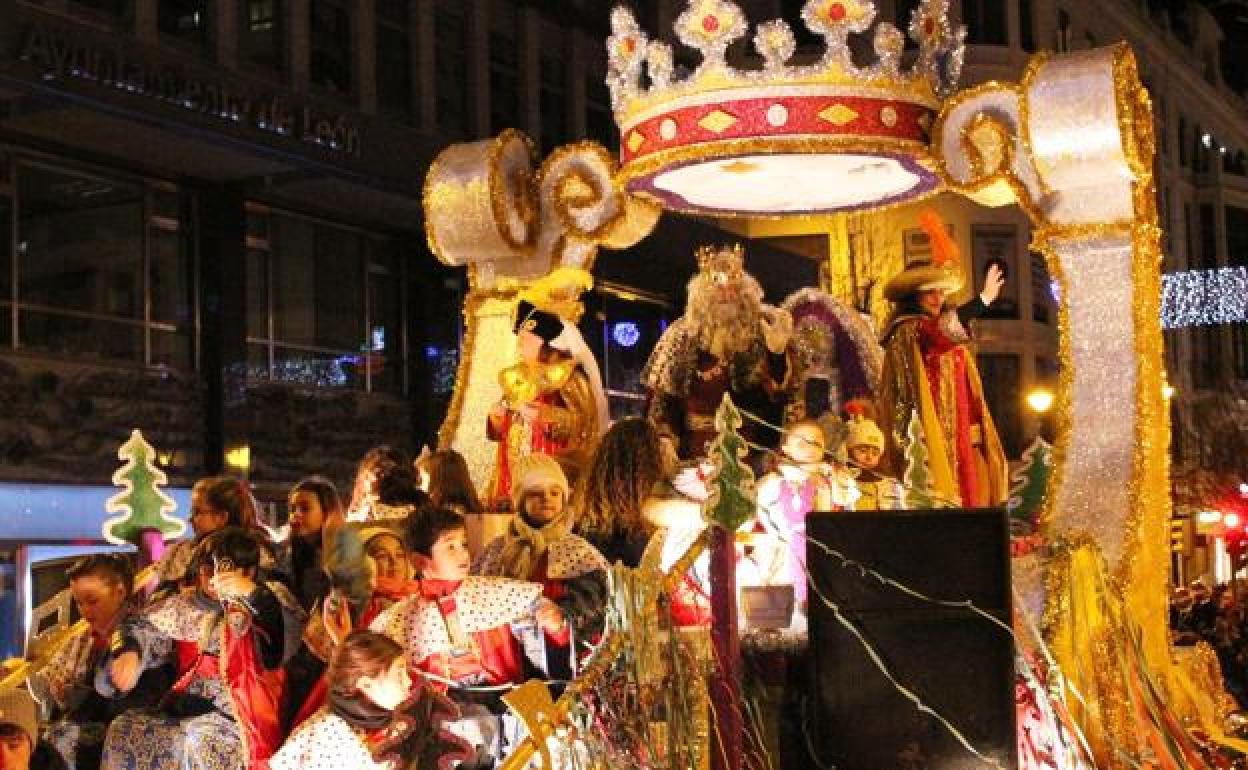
<point>487,208</point>
<point>1073,146</point>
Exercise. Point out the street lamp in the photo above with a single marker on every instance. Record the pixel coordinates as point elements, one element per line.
<point>1040,400</point>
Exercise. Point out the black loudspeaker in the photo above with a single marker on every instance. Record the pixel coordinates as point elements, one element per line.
<point>956,661</point>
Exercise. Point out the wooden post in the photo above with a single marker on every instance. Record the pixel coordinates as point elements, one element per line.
<point>725,689</point>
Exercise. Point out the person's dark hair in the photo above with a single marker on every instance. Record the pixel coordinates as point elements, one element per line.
<point>422,528</point>
<point>232,496</point>
<point>625,466</point>
<point>114,568</point>
<point>377,463</point>
<point>240,546</point>
<point>323,490</point>
<point>401,487</point>
<point>362,653</point>
<point>450,484</point>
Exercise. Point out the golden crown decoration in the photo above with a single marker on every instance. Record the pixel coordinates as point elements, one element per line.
<point>832,135</point>
<point>734,255</point>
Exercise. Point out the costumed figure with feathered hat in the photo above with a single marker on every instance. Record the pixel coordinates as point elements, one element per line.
<point>553,401</point>
<point>929,370</point>
<point>727,341</point>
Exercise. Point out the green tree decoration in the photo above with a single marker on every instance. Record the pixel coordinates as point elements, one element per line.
<point>917,482</point>
<point>731,482</point>
<point>1028,486</point>
<point>141,506</point>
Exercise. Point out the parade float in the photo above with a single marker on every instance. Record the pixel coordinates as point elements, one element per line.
<point>1071,144</point>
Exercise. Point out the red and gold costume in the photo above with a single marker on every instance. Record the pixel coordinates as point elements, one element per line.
<point>929,370</point>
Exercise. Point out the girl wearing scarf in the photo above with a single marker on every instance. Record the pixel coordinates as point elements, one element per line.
<point>539,546</point>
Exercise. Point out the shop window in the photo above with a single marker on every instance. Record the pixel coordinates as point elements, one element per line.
<point>261,27</point>
<point>452,44</point>
<point>985,22</point>
<point>1003,393</point>
<point>505,101</point>
<point>320,312</point>
<point>103,269</point>
<point>184,20</point>
<point>331,50</point>
<point>394,59</point>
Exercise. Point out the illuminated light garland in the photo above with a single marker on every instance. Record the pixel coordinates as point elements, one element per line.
<point>1204,297</point>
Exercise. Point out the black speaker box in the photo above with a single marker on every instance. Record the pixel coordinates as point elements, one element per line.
<point>956,661</point>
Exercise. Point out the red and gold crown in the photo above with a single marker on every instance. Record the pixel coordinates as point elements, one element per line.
<point>705,143</point>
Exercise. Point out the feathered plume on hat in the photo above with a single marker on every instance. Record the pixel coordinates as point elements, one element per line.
<point>559,292</point>
<point>942,269</point>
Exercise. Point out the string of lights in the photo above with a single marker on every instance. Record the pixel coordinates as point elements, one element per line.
<point>1204,297</point>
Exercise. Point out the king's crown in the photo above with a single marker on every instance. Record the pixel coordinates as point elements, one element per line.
<point>710,26</point>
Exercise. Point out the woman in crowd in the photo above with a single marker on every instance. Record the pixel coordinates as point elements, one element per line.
<point>622,473</point>
<point>312,503</point>
<point>378,463</point>
<point>90,679</point>
<point>217,502</point>
<point>444,475</point>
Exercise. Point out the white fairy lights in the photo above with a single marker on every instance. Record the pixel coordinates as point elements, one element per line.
<point>1204,297</point>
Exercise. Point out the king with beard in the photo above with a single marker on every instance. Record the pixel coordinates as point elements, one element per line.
<point>728,341</point>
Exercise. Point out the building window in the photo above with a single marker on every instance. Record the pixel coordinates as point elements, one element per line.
<point>1208,236</point>
<point>554,96</point>
<point>599,120</point>
<point>1184,149</point>
<point>394,59</point>
<point>330,61</point>
<point>1206,355</point>
<point>263,43</point>
<point>1236,237</point>
<point>1002,391</point>
<point>184,20</point>
<point>319,311</point>
<point>1189,232</point>
<point>1026,26</point>
<point>118,8</point>
<point>985,22</point>
<point>505,102</point>
<point>103,269</point>
<point>452,44</point>
<point>1239,341</point>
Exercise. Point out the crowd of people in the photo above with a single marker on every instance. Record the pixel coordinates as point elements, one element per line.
<point>1215,616</point>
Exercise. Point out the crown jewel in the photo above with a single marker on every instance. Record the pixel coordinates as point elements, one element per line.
<point>880,111</point>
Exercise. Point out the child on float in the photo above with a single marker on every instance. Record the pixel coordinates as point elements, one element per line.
<point>231,636</point>
<point>312,503</point>
<point>864,443</point>
<point>20,747</point>
<point>369,569</point>
<point>539,546</point>
<point>376,717</point>
<point>114,664</point>
<point>804,480</point>
<point>458,630</point>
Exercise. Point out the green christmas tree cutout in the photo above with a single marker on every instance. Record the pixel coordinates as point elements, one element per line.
<point>141,505</point>
<point>731,482</point>
<point>1028,486</point>
<point>917,477</point>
